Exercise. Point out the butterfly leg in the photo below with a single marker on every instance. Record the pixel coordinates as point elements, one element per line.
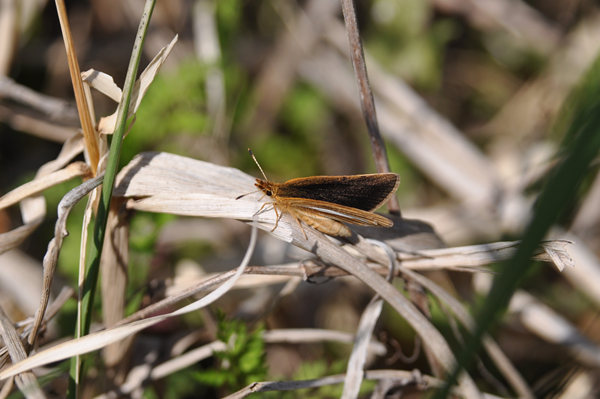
<point>298,218</point>
<point>263,207</point>
<point>278,216</point>
<point>301,228</point>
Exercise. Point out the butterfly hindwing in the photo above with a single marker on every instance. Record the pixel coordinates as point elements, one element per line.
<point>337,212</point>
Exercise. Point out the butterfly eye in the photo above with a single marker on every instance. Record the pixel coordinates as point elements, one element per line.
<point>269,193</point>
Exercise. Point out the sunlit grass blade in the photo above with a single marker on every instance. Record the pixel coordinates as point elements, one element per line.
<point>91,277</point>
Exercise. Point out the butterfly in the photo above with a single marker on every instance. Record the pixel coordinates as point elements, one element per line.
<point>325,203</point>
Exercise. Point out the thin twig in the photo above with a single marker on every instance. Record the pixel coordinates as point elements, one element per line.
<point>401,378</point>
<point>56,108</point>
<point>366,95</point>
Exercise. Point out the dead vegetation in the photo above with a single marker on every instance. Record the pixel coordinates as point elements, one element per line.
<point>294,289</point>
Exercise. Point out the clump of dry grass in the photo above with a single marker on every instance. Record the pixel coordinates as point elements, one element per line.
<point>490,194</point>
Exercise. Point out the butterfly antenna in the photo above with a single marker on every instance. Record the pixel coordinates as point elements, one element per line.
<point>257,164</point>
<point>243,195</point>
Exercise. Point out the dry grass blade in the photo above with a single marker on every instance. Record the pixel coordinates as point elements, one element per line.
<point>366,325</point>
<point>161,182</point>
<point>552,327</point>
<point>113,266</point>
<point>173,299</point>
<point>54,246</point>
<point>358,357</point>
<point>70,149</point>
<point>498,357</point>
<point>36,186</point>
<point>399,378</point>
<point>266,386</point>
<point>103,338</point>
<point>304,335</point>
<point>332,254</point>
<point>33,211</point>
<point>105,84</point>
<point>472,256</point>
<point>26,382</point>
<point>8,34</point>
<point>586,276</point>
<point>6,388</point>
<point>526,23</point>
<point>557,251</point>
<point>293,336</point>
<point>539,100</point>
<point>45,130</point>
<point>367,103</point>
<point>89,134</point>
<point>187,359</point>
<point>55,108</point>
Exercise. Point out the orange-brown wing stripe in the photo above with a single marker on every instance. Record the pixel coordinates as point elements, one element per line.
<point>338,212</point>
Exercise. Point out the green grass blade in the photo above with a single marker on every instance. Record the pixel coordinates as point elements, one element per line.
<point>91,277</point>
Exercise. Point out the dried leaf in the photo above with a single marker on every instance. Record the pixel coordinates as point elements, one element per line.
<point>105,82</point>
<point>102,82</point>
<point>558,251</point>
<point>113,265</point>
<point>33,211</point>
<point>42,183</point>
<point>162,182</point>
<point>54,246</point>
<point>26,382</point>
<point>473,256</point>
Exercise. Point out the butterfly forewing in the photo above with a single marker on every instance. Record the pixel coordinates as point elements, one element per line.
<point>366,192</point>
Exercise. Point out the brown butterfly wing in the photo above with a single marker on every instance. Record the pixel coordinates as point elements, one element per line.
<point>366,192</point>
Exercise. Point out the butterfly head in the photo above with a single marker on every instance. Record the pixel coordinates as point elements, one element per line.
<point>266,187</point>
